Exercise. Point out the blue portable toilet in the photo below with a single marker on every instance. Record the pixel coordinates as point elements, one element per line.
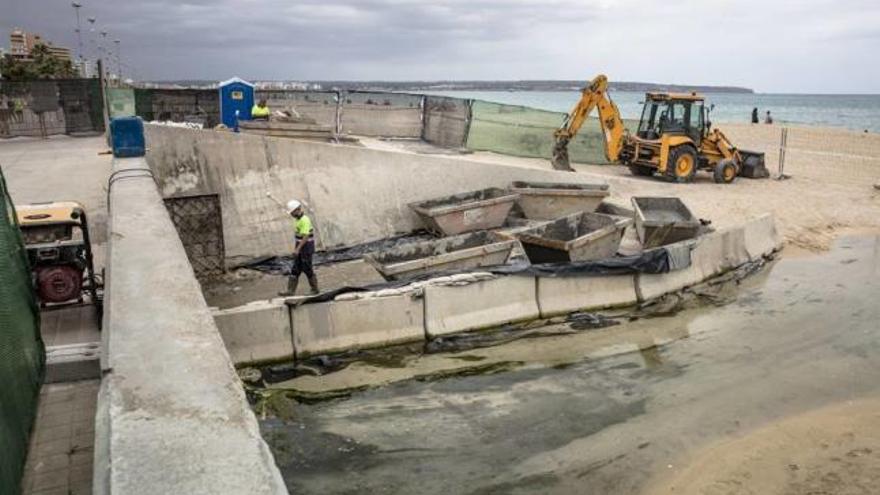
<point>235,95</point>
<point>127,136</point>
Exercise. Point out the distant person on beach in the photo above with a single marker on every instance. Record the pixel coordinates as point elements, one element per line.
<point>755,116</point>
<point>260,111</point>
<point>768,119</point>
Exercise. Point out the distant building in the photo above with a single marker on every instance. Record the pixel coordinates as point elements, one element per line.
<point>22,43</point>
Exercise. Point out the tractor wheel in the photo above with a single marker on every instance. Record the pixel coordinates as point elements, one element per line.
<point>641,170</point>
<point>682,163</point>
<point>725,171</point>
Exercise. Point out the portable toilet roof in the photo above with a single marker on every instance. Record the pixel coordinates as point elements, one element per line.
<point>235,80</point>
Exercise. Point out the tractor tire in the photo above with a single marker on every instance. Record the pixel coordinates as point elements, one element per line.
<point>725,171</point>
<point>641,170</point>
<point>681,165</point>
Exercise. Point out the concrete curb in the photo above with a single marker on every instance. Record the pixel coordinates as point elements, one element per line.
<point>357,324</point>
<point>489,303</point>
<point>557,296</point>
<point>256,332</point>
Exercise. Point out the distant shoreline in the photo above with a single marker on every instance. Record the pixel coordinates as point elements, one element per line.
<point>414,86</point>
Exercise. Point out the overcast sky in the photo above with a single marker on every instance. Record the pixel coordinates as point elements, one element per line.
<point>818,46</point>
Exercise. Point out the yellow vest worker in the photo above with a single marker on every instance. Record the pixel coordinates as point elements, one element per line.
<point>260,111</point>
<point>303,250</point>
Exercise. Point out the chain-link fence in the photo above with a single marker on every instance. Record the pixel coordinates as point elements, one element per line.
<point>380,114</point>
<point>317,105</point>
<point>446,121</point>
<point>22,356</point>
<point>47,107</point>
<point>178,105</point>
<point>200,227</point>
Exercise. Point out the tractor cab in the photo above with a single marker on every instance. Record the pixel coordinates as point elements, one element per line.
<point>680,114</point>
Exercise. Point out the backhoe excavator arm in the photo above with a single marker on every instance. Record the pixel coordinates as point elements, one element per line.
<point>593,96</point>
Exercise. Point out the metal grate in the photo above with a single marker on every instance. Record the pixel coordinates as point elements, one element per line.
<point>200,227</point>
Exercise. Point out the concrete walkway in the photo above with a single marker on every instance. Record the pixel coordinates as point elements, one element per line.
<point>57,169</point>
<point>62,440</point>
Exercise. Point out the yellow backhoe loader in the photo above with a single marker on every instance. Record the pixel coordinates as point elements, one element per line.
<point>674,138</point>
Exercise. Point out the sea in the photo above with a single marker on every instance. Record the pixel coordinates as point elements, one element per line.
<point>855,112</point>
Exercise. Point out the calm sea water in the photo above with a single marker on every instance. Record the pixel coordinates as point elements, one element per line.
<point>857,112</point>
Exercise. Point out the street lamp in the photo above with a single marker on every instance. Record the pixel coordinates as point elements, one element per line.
<point>79,41</point>
<point>92,40</point>
<point>118,62</point>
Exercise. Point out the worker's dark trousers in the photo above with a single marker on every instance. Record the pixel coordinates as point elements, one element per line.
<point>303,264</point>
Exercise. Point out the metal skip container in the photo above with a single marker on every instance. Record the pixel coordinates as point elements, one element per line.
<point>579,237</point>
<point>476,210</point>
<point>462,252</point>
<point>550,200</point>
<point>661,221</point>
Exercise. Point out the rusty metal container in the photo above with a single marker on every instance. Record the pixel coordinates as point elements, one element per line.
<point>461,252</point>
<point>579,237</point>
<point>552,200</point>
<point>466,212</point>
<point>661,221</point>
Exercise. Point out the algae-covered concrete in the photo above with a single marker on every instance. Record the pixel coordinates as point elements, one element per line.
<point>172,414</point>
<point>635,408</point>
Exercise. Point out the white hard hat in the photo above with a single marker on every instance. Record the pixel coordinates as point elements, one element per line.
<point>293,205</point>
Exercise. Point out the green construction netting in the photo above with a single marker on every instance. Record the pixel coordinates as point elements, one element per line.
<point>22,357</point>
<point>528,132</point>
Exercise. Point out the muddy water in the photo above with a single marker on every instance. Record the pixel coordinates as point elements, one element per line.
<point>634,413</point>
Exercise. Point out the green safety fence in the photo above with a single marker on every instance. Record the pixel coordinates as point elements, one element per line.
<point>22,356</point>
<point>121,102</point>
<point>528,132</point>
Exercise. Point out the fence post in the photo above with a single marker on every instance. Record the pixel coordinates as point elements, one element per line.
<point>339,95</point>
<point>423,116</point>
<point>783,143</point>
<point>469,117</point>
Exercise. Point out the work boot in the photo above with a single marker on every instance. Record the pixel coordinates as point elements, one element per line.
<point>291,287</point>
<point>313,283</point>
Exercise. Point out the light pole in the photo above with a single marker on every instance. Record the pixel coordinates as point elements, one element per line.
<point>92,40</point>
<point>79,41</point>
<point>118,62</point>
<point>103,49</point>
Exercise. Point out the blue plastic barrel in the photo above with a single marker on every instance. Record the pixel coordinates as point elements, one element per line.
<point>127,136</point>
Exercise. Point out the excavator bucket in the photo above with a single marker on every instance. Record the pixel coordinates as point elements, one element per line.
<point>559,158</point>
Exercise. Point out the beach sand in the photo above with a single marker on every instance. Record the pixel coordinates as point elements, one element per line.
<point>830,190</point>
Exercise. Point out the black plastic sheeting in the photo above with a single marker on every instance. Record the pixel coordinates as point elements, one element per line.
<point>654,261</point>
<point>280,265</point>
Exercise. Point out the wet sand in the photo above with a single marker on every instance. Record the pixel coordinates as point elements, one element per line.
<point>575,414</point>
<point>833,450</point>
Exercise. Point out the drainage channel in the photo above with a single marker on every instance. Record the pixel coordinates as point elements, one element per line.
<point>610,408</point>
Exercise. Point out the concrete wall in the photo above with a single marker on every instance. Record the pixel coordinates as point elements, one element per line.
<point>355,194</point>
<point>172,413</point>
<point>473,301</point>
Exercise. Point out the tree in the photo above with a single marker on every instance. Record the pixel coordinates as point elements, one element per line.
<point>43,65</point>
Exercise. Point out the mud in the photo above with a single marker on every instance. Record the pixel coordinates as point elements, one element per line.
<point>463,198</point>
<point>621,409</point>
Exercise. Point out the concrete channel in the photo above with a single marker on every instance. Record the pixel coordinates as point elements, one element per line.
<point>170,389</point>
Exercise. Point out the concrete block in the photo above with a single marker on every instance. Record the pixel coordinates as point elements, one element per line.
<point>73,362</point>
<point>761,236</point>
<point>256,332</point>
<point>488,303</point>
<point>356,324</point>
<point>568,294</point>
<point>711,255</point>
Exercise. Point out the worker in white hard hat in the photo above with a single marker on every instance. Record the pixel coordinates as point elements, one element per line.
<point>303,250</point>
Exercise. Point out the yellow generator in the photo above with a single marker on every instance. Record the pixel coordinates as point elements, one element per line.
<point>56,236</point>
<point>675,138</point>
